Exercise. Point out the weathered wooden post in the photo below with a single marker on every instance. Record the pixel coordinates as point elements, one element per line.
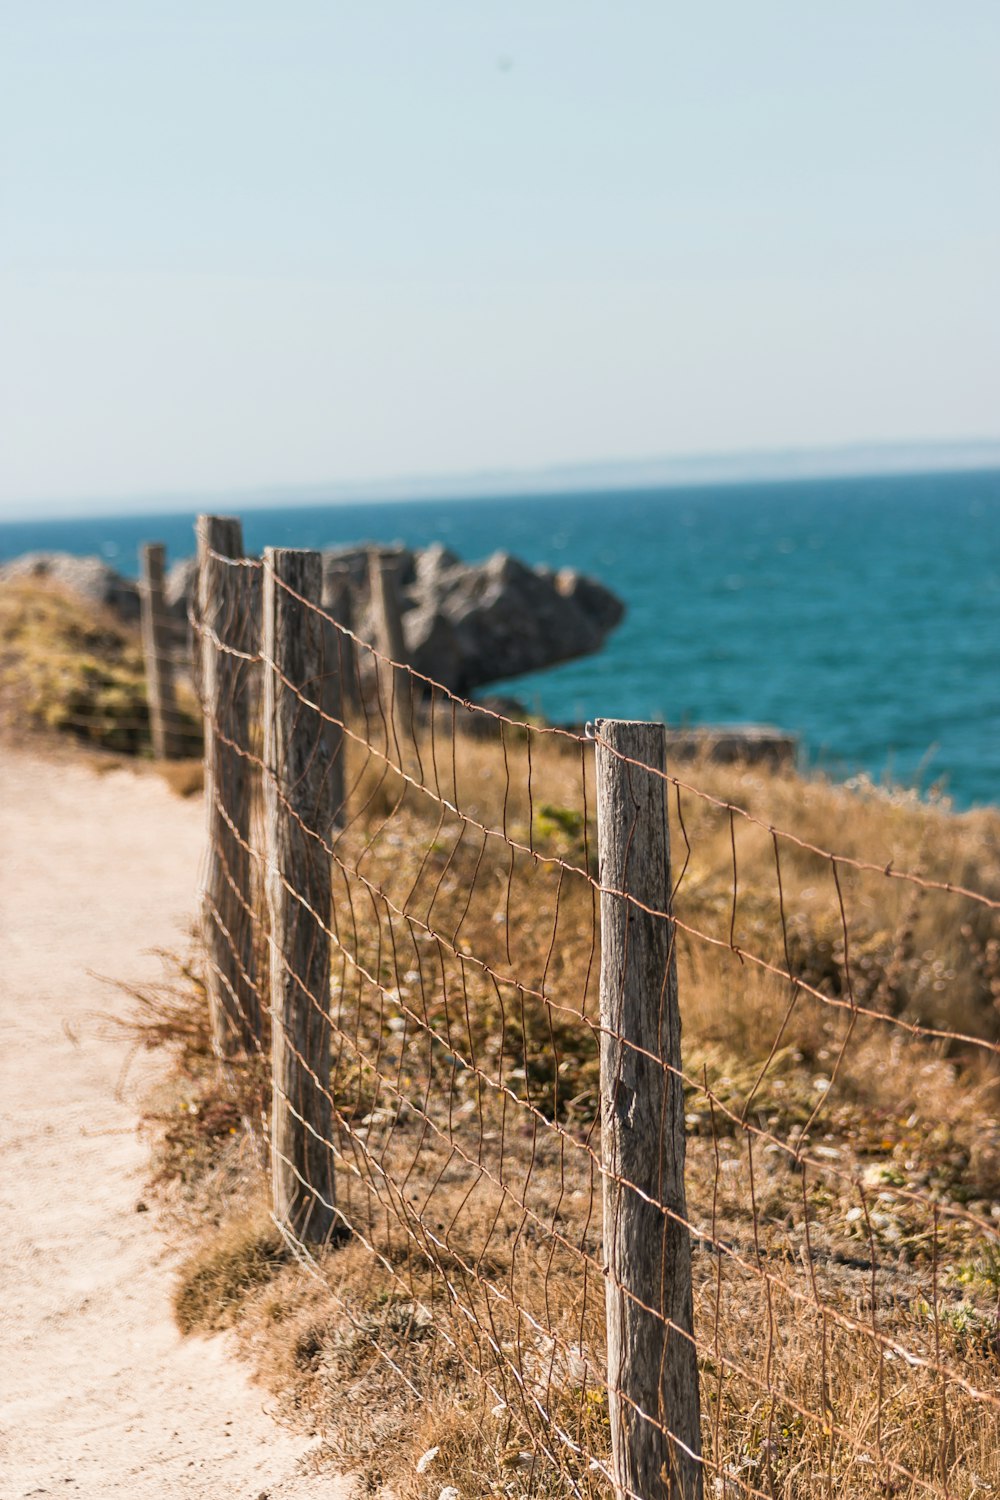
<point>338,601</point>
<point>226,622</point>
<point>395,685</point>
<point>157,653</point>
<point>652,1364</point>
<point>303,794</point>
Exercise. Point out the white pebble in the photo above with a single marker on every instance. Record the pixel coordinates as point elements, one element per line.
<point>426,1459</point>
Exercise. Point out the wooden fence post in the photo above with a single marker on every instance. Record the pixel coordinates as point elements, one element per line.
<point>226,620</point>
<point>303,794</point>
<point>652,1364</point>
<point>157,649</point>
<point>395,684</point>
<point>338,601</point>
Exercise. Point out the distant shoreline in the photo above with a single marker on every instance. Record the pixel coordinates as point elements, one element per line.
<point>857,461</point>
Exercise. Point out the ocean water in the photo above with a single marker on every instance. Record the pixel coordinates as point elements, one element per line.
<point>862,614</point>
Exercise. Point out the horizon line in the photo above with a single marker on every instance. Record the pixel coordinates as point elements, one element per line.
<point>849,460</point>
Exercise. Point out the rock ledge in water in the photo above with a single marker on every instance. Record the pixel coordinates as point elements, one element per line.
<point>469,624</point>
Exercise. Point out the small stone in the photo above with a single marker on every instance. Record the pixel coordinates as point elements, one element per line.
<point>426,1459</point>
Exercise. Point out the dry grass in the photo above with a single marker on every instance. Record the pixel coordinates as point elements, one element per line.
<point>244,1255</point>
<point>72,669</point>
<point>471,1299</point>
<point>185,777</point>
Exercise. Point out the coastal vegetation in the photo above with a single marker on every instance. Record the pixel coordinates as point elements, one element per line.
<point>876,1078</point>
<point>867,1064</point>
<point>74,669</point>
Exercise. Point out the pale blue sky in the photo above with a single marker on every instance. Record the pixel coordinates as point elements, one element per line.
<point>245,243</point>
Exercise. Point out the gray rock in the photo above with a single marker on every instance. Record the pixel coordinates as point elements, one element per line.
<point>179,587</point>
<point>465,625</point>
<point>591,597</point>
<point>469,624</point>
<point>746,744</point>
<point>89,577</point>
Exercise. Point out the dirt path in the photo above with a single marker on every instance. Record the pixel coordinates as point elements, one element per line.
<point>100,1395</point>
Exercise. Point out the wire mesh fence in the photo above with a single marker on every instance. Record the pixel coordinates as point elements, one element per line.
<point>761,1261</point>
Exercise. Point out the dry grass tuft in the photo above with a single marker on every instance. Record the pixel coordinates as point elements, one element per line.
<point>204,1122</point>
<point>185,777</point>
<point>172,1013</point>
<point>244,1255</point>
<point>71,668</point>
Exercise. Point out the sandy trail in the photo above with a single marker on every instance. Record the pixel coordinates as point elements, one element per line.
<point>100,1395</point>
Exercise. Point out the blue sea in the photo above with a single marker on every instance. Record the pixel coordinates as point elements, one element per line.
<point>862,614</point>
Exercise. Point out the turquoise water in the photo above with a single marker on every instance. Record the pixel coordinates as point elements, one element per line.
<point>864,614</point>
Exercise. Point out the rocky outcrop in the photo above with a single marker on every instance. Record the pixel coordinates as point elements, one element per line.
<point>465,625</point>
<point>469,624</point>
<point>88,577</point>
<point>738,744</point>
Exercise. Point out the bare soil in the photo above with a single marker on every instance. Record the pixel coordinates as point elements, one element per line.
<point>101,1396</point>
